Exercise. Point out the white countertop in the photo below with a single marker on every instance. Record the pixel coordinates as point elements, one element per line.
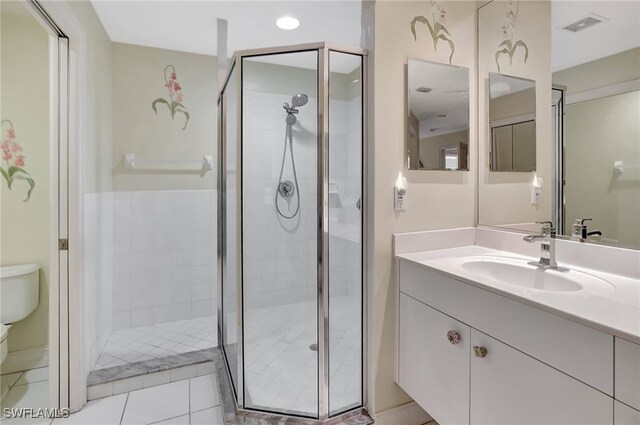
<point>615,310</point>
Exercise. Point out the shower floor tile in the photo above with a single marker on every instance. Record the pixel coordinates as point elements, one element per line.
<point>281,366</point>
<point>161,340</point>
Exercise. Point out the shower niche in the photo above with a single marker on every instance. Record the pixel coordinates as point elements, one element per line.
<point>291,208</point>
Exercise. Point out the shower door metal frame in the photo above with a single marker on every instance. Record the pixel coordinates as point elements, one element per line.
<point>323,51</point>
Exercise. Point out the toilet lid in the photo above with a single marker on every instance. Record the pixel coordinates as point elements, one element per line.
<point>3,332</point>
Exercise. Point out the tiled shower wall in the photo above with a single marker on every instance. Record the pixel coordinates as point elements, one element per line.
<point>164,256</point>
<point>280,255</point>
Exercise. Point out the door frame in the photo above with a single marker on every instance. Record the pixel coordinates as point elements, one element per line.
<point>66,331</point>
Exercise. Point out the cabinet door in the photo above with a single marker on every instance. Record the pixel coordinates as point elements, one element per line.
<point>628,373</point>
<point>432,370</point>
<point>509,387</point>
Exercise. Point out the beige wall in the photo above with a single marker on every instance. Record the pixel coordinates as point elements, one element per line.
<point>25,226</point>
<point>497,189</point>
<point>430,147</point>
<point>138,81</point>
<point>436,199</point>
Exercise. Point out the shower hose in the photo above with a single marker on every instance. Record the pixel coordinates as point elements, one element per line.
<point>288,135</point>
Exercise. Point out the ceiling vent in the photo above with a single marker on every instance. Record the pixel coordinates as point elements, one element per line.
<point>584,23</point>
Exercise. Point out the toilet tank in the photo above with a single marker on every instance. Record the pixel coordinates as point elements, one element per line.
<point>19,291</point>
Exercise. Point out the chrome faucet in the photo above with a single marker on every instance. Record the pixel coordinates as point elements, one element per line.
<point>580,232</point>
<point>547,247</point>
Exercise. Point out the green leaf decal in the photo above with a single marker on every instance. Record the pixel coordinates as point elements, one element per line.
<point>32,185</point>
<point>421,19</point>
<point>526,49</point>
<point>437,31</point>
<point>187,116</point>
<point>5,175</point>
<point>158,100</point>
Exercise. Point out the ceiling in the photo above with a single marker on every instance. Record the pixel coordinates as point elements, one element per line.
<point>619,33</point>
<point>190,26</point>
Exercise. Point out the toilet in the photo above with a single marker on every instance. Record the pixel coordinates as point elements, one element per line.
<point>19,292</point>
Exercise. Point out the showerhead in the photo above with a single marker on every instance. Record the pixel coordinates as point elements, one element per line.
<point>298,100</point>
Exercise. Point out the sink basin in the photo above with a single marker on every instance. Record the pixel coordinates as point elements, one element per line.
<point>516,272</point>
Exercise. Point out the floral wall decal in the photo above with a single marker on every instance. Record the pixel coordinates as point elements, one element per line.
<point>12,167</point>
<point>175,96</point>
<point>508,46</point>
<point>436,26</point>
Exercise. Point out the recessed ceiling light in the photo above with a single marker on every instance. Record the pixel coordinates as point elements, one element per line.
<point>356,80</point>
<point>442,115</point>
<point>287,23</point>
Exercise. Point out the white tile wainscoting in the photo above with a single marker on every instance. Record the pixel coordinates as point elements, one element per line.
<point>164,261</point>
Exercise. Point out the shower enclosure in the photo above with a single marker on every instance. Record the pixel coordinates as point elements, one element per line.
<point>291,208</point>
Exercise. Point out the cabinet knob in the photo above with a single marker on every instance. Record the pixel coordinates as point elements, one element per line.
<point>480,352</point>
<point>453,337</point>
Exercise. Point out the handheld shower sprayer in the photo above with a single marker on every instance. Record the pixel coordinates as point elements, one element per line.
<point>287,189</point>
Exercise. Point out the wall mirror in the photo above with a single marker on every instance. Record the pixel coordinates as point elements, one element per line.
<point>438,116</point>
<point>512,120</point>
<point>584,57</point>
<point>596,72</point>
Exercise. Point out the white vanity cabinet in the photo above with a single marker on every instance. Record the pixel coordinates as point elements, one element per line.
<point>514,364</point>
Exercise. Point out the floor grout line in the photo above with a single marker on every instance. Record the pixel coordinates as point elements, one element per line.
<point>125,408</point>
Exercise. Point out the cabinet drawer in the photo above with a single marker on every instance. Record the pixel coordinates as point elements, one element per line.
<point>628,373</point>
<point>509,387</point>
<point>578,350</point>
<point>433,371</point>
<point>625,415</point>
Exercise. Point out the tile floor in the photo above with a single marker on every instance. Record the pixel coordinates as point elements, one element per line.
<point>157,341</point>
<point>25,389</point>
<point>194,401</point>
<point>281,369</point>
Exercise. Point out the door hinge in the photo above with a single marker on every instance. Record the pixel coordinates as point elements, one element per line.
<point>63,244</point>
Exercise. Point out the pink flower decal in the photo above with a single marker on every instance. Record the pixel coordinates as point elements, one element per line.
<point>175,96</point>
<point>14,160</point>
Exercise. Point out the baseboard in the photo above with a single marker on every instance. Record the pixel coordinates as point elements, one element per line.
<point>31,358</point>
<point>407,414</point>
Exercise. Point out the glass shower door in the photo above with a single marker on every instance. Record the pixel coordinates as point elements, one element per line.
<point>345,231</point>
<point>229,152</point>
<point>279,235</point>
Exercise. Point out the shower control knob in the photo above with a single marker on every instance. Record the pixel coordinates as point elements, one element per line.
<point>479,352</point>
<point>453,337</point>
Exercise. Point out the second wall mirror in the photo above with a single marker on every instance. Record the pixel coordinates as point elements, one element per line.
<point>438,116</point>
